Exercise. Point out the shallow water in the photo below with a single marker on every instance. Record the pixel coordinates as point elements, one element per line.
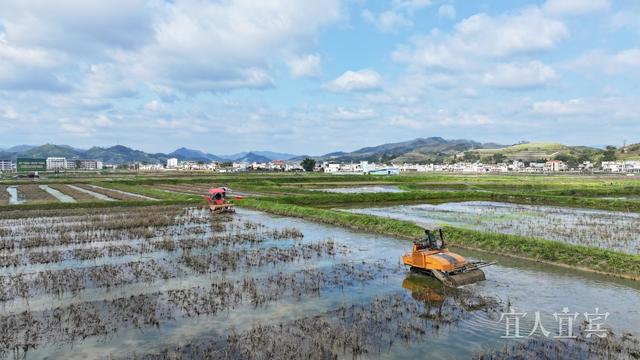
<point>612,230</point>
<point>123,192</point>
<point>57,194</point>
<point>15,197</point>
<point>363,189</point>
<point>527,286</point>
<point>92,193</point>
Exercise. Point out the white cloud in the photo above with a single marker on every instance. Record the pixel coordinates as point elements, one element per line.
<point>627,19</point>
<point>186,46</point>
<point>447,11</point>
<point>218,46</point>
<point>399,16</point>
<point>519,75</point>
<point>612,108</point>
<point>83,28</point>
<point>625,61</point>
<point>24,68</point>
<point>84,126</point>
<point>353,114</point>
<point>361,80</point>
<point>154,106</point>
<point>465,119</point>
<point>107,81</point>
<point>305,66</point>
<point>484,37</point>
<point>411,5</point>
<point>387,21</point>
<point>561,108</point>
<point>403,121</point>
<point>8,113</point>
<point>575,7</point>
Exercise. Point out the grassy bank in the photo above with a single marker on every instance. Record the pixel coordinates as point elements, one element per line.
<point>574,256</point>
<point>333,199</point>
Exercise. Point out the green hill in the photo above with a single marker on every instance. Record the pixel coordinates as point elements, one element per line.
<point>544,151</point>
<point>629,152</point>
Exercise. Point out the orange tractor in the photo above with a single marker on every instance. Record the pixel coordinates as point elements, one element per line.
<point>217,200</point>
<point>430,256</point>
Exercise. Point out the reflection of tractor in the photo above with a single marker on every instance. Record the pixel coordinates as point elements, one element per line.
<point>431,256</point>
<point>423,288</point>
<point>217,200</point>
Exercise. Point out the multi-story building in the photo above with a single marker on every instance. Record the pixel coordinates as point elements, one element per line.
<point>87,164</point>
<point>56,163</point>
<point>620,166</point>
<point>7,165</point>
<point>172,163</point>
<point>555,166</point>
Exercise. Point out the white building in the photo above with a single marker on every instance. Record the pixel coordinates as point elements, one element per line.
<point>172,163</point>
<point>56,163</point>
<point>555,166</point>
<point>88,164</point>
<point>151,167</point>
<point>330,167</point>
<point>7,165</point>
<point>626,166</point>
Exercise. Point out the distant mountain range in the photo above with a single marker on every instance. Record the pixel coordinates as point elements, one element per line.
<point>417,150</point>
<point>420,150</point>
<point>121,154</point>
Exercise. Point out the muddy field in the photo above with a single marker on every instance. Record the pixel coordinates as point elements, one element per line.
<point>363,189</point>
<point>109,193</point>
<point>75,194</point>
<point>162,282</point>
<point>595,228</point>
<point>4,195</point>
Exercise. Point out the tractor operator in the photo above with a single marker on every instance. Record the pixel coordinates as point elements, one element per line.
<point>430,242</point>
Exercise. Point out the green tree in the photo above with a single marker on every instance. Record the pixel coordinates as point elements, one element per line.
<point>498,158</point>
<point>609,154</point>
<point>471,156</point>
<point>570,160</point>
<point>308,164</point>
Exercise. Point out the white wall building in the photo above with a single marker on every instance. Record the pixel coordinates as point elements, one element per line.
<point>331,168</point>
<point>87,164</point>
<point>7,165</point>
<point>626,166</point>
<point>555,166</point>
<point>56,163</point>
<point>172,163</point>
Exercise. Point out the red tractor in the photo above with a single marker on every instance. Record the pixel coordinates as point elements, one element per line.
<point>217,200</point>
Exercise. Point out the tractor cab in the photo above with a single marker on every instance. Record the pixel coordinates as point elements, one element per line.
<point>217,200</point>
<point>433,240</point>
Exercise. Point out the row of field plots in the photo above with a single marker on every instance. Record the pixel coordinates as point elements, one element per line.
<point>66,193</point>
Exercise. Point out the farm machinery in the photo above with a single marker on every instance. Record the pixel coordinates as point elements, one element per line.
<point>430,256</point>
<point>217,200</point>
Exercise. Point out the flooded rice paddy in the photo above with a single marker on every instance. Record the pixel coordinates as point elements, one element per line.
<point>612,230</point>
<point>363,189</point>
<point>15,197</point>
<point>170,282</point>
<point>93,193</point>
<point>58,194</point>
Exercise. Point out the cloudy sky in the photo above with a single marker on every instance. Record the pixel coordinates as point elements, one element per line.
<point>313,76</point>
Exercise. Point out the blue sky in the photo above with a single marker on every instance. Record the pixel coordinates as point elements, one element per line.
<point>315,76</point>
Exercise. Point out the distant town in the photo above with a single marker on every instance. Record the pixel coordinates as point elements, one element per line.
<point>61,164</point>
